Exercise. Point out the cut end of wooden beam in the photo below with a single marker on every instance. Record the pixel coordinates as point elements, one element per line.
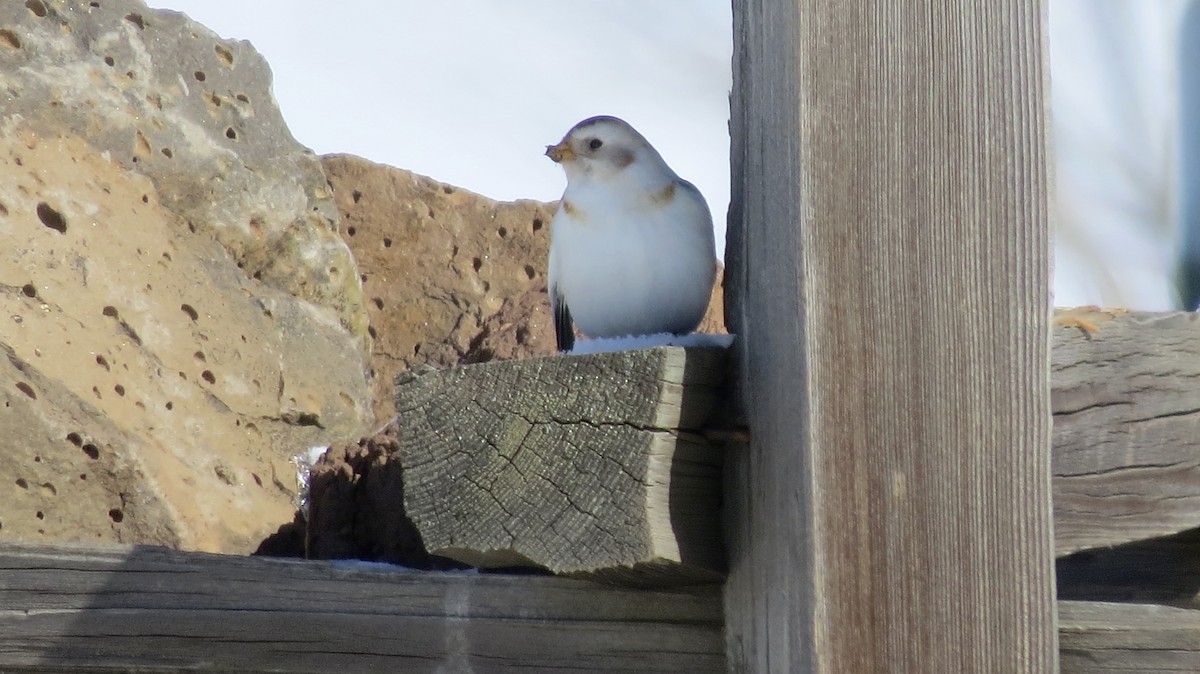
<point>593,465</point>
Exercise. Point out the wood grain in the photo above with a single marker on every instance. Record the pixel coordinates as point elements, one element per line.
<point>888,280</point>
<point>150,608</point>
<point>1104,638</point>
<point>1126,405</point>
<point>583,464</point>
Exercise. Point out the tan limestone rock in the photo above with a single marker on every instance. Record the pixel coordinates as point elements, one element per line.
<point>436,262</point>
<point>177,312</point>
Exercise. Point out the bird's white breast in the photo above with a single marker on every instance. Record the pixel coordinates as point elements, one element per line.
<point>630,264</point>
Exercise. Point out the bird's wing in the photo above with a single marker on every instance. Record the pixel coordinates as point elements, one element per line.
<point>564,330</point>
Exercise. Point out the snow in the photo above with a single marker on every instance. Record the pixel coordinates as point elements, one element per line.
<point>611,344</point>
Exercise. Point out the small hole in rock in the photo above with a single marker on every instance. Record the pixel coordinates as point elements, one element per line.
<point>224,54</point>
<point>199,75</point>
<point>356,195</point>
<point>102,362</point>
<point>26,389</point>
<point>257,479</point>
<point>447,189</point>
<point>37,459</point>
<point>92,451</point>
<point>41,515</point>
<point>22,483</point>
<point>537,224</point>
<point>167,152</point>
<point>108,61</point>
<point>476,263</point>
<point>216,100</point>
<point>136,19</point>
<point>10,38</point>
<point>377,302</point>
<point>37,7</point>
<point>350,231</point>
<point>530,272</point>
<point>83,476</point>
<point>371,332</point>
<point>75,439</point>
<point>416,349</point>
<point>29,290</point>
<point>109,311</point>
<point>199,355</point>
<point>51,218</point>
<point>503,232</point>
<point>116,515</point>
<point>230,133</point>
<point>243,98</point>
<point>119,389</point>
<point>387,243</point>
<point>170,406</point>
<point>208,376</point>
<point>145,198</point>
<point>187,309</point>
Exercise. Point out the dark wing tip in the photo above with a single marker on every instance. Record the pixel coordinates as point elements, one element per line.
<point>564,331</point>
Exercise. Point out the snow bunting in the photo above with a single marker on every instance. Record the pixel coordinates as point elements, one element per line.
<point>631,246</point>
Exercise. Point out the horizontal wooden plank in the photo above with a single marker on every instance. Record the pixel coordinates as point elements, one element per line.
<point>92,610</point>
<point>1126,401</point>
<point>1105,638</point>
<point>141,607</point>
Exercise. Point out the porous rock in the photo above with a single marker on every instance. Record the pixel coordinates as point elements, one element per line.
<point>436,262</point>
<point>177,312</point>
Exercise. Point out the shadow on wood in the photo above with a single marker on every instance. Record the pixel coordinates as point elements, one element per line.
<point>1161,570</point>
<point>77,610</point>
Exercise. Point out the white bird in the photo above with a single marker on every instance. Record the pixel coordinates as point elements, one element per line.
<point>631,245</point>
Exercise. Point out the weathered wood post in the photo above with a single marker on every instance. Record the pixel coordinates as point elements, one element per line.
<point>888,275</point>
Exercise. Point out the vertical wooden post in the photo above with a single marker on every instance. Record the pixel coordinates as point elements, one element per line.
<point>889,277</point>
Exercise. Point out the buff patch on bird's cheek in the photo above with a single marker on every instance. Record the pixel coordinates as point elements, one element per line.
<point>574,211</point>
<point>664,196</point>
<point>623,158</point>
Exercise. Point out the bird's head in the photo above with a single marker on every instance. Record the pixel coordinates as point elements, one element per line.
<point>605,148</point>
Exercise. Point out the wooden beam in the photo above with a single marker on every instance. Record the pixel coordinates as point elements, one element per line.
<point>1126,426</point>
<point>888,280</point>
<point>1103,638</point>
<point>589,464</point>
<point>153,609</point>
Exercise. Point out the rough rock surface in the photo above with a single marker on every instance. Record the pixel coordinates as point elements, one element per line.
<point>436,262</point>
<point>357,506</point>
<point>177,312</point>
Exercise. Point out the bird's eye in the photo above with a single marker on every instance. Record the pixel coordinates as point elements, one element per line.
<point>595,143</point>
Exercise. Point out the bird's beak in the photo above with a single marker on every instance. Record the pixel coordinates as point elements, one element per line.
<point>561,152</point>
